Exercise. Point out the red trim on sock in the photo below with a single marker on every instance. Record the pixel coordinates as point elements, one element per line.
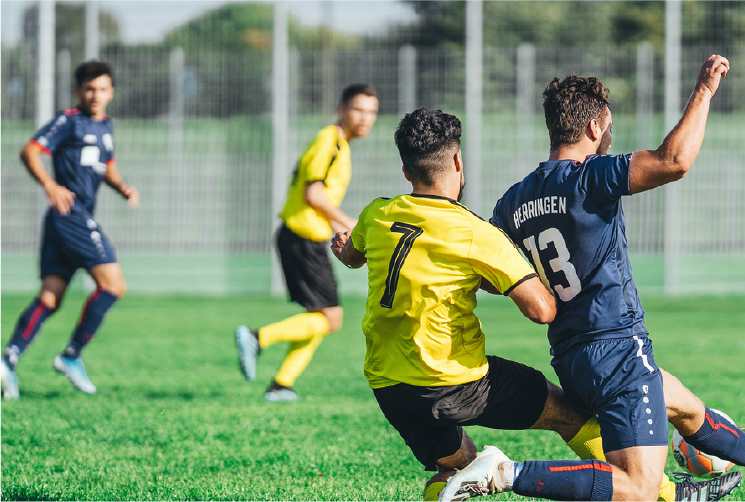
<point>598,466</point>
<point>93,297</point>
<point>34,319</point>
<point>716,425</point>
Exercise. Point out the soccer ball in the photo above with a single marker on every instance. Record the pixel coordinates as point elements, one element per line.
<point>697,462</point>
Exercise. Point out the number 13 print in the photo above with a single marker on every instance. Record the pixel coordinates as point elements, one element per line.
<point>559,264</point>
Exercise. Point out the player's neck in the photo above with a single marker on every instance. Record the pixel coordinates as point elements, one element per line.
<point>577,152</point>
<point>438,189</point>
<point>342,133</point>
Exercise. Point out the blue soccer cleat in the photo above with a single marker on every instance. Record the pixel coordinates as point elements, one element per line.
<point>74,369</point>
<point>277,393</point>
<point>710,489</point>
<point>8,381</point>
<point>248,349</point>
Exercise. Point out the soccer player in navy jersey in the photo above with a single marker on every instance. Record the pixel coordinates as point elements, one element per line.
<point>81,144</point>
<point>567,219</point>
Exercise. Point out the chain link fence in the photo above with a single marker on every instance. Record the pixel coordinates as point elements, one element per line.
<point>194,134</point>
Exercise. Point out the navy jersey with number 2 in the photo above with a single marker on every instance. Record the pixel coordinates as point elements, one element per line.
<point>81,148</point>
<point>567,219</point>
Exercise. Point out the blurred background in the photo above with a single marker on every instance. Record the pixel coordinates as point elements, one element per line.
<point>215,101</point>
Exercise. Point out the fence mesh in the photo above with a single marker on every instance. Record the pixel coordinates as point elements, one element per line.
<point>195,136</point>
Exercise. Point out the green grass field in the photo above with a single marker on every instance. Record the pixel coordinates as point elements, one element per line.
<point>174,419</point>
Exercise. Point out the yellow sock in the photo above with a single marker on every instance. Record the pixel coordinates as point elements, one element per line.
<point>588,444</point>
<point>667,491</point>
<point>297,328</point>
<point>432,491</point>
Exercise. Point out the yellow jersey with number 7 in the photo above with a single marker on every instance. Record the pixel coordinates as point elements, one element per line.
<point>426,256</point>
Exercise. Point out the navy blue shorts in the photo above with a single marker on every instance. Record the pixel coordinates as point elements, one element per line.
<point>71,242</point>
<point>619,380</point>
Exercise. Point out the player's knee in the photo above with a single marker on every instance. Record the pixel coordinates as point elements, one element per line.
<point>646,489</point>
<point>117,289</point>
<point>50,299</point>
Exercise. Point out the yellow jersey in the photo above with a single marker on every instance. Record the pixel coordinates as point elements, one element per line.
<point>327,158</point>
<point>426,256</point>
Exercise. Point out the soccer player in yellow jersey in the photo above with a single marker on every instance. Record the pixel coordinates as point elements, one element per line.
<point>427,255</point>
<point>310,215</point>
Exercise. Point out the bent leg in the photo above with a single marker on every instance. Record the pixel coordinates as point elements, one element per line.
<point>33,317</point>
<point>703,428</point>
<point>304,341</point>
<point>111,287</point>
<point>447,466</point>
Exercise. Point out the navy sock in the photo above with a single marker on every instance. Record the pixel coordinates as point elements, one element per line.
<point>96,307</point>
<point>565,480</point>
<point>718,436</point>
<point>27,327</point>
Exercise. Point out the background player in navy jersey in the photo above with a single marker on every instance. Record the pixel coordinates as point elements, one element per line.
<point>566,217</point>
<point>81,143</point>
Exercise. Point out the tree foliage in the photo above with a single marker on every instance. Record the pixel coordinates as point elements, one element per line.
<point>574,23</point>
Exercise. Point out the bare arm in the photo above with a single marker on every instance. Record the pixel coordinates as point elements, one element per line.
<point>344,250</point>
<point>60,198</point>
<point>316,198</point>
<point>672,160</point>
<point>534,301</point>
<point>115,181</point>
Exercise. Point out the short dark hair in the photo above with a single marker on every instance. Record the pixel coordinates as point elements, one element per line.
<point>570,104</point>
<point>426,140</point>
<point>92,69</point>
<point>353,90</point>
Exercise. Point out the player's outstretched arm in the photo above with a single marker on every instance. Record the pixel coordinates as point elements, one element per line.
<point>534,301</point>
<point>115,181</point>
<point>672,160</point>
<point>341,246</point>
<point>60,198</point>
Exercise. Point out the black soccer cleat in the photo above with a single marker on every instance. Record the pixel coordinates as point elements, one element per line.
<point>711,489</point>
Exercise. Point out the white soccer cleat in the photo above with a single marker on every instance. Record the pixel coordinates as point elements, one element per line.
<point>8,381</point>
<point>74,369</point>
<point>248,349</point>
<point>490,472</point>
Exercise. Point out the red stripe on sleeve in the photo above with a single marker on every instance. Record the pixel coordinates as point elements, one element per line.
<point>43,148</point>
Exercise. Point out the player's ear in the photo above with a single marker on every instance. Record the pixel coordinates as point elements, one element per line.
<point>458,161</point>
<point>594,131</point>
<point>406,175</point>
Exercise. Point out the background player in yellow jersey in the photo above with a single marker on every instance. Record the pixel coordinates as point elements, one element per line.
<point>427,255</point>
<point>310,215</point>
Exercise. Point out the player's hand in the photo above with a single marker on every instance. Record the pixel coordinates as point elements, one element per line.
<point>60,198</point>
<point>338,241</point>
<point>131,194</point>
<point>712,72</point>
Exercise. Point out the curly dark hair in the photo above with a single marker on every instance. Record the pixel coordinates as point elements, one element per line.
<point>570,104</point>
<point>426,140</point>
<point>92,69</point>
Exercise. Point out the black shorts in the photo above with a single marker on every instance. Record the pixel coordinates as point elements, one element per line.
<point>307,268</point>
<point>430,419</point>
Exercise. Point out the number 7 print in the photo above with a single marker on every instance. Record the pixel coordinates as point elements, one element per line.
<point>410,233</point>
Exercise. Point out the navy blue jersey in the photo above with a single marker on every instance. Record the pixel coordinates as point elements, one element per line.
<point>81,148</point>
<point>567,219</point>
